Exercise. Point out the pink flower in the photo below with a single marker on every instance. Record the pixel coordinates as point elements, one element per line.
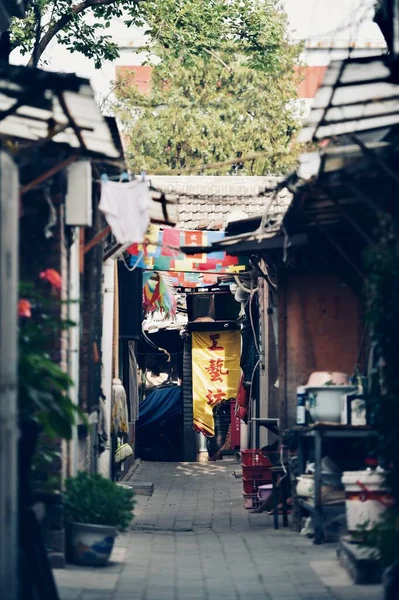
<point>24,308</point>
<point>53,277</point>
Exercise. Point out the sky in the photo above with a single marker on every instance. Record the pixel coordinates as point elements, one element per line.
<point>336,19</point>
<point>310,20</point>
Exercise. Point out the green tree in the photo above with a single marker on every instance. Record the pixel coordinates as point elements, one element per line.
<point>188,28</point>
<point>223,88</point>
<point>80,25</point>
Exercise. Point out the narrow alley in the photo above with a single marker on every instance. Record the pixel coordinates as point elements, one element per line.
<point>192,539</point>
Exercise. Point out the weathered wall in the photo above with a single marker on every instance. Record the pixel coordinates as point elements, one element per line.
<point>39,252</point>
<point>8,377</point>
<point>319,330</point>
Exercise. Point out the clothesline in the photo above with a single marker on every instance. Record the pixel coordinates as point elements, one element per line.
<point>197,168</point>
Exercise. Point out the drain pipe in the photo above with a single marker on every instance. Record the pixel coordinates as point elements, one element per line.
<point>74,339</point>
<point>104,461</point>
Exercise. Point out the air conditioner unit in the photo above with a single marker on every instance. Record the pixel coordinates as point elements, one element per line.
<point>219,306</point>
<point>130,302</point>
<point>78,211</point>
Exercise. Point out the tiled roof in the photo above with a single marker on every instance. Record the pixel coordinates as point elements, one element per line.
<point>205,202</point>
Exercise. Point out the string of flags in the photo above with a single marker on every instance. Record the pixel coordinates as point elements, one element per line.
<point>161,252</point>
<point>157,296</point>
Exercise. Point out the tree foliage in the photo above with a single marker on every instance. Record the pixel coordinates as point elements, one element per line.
<point>187,28</point>
<point>80,25</point>
<point>226,94</point>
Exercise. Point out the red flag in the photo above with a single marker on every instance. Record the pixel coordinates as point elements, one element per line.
<point>133,249</point>
<point>170,237</point>
<point>193,238</point>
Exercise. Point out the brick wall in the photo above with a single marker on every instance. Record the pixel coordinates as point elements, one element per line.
<point>37,253</point>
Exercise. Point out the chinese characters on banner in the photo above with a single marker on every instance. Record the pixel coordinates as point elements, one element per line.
<point>216,374</point>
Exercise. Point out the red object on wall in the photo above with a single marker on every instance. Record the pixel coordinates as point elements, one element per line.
<point>235,427</point>
<point>312,77</point>
<point>137,75</point>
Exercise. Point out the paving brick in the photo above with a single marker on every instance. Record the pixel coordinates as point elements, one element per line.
<point>193,540</point>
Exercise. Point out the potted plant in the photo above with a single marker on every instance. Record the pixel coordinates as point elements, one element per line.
<point>95,510</point>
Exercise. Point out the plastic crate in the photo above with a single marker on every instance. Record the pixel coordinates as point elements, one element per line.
<point>254,458</point>
<point>251,501</point>
<point>262,473</point>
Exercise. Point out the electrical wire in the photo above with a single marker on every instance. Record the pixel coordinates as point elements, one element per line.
<point>132,268</point>
<point>266,275</point>
<point>242,287</point>
<point>282,463</point>
<point>151,343</point>
<point>252,321</point>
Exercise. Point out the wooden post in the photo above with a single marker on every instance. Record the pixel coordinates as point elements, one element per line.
<point>9,209</point>
<point>282,352</point>
<point>318,514</point>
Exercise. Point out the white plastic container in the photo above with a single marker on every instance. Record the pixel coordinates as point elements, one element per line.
<point>366,498</point>
<point>265,491</point>
<point>325,402</point>
<point>319,378</point>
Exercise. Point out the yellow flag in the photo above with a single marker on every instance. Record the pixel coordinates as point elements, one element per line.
<point>216,374</point>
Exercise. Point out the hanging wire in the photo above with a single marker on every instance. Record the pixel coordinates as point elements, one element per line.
<point>133,267</point>
<point>151,343</point>
<point>242,287</point>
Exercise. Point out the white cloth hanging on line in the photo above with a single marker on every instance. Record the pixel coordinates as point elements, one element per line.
<point>126,207</point>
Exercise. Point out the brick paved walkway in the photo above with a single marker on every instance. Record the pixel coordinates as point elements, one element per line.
<point>193,540</point>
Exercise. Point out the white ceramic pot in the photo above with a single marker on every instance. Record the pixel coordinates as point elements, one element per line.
<point>305,486</point>
<point>325,402</point>
<point>366,498</point>
<point>319,378</point>
<point>89,545</point>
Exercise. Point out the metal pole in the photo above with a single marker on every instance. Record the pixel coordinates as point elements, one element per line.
<point>104,461</point>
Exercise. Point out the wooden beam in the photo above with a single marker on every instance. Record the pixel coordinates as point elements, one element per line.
<point>364,198</point>
<point>81,250</point>
<point>97,239</point>
<point>112,251</point>
<point>352,221</point>
<point>340,250</point>
<point>375,158</point>
<point>47,174</point>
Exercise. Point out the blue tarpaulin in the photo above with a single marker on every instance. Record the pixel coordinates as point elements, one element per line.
<point>163,403</point>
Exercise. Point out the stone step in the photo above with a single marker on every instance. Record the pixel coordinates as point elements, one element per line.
<point>362,562</point>
<point>140,488</point>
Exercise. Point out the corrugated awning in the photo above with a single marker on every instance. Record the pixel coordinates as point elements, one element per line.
<point>255,233</point>
<point>37,105</point>
<point>356,95</point>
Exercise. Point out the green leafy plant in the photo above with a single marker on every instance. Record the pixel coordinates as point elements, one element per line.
<point>382,300</point>
<point>382,295</point>
<point>91,498</point>
<point>383,536</point>
<point>230,99</point>
<point>43,385</point>
<point>188,29</point>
